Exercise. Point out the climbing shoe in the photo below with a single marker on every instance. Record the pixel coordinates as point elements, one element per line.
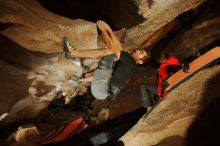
<point>66,48</point>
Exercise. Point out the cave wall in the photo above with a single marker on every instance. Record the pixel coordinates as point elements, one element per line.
<point>197,31</point>
<point>35,28</point>
<point>29,17</point>
<point>157,15</point>
<point>183,108</point>
<point>28,76</point>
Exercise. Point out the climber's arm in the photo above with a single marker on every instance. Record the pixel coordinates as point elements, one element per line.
<point>109,38</point>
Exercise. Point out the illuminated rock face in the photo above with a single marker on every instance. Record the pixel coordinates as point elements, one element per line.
<point>25,135</point>
<point>37,29</point>
<point>183,109</point>
<point>156,14</point>
<point>30,80</point>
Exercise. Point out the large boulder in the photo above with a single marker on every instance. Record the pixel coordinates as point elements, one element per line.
<point>156,15</point>
<point>35,28</point>
<point>189,104</point>
<point>31,80</point>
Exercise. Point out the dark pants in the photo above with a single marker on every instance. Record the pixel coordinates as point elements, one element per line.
<point>148,100</point>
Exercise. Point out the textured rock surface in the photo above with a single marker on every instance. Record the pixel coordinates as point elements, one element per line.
<point>29,17</point>
<point>156,14</point>
<point>37,29</point>
<point>25,135</point>
<point>27,76</point>
<point>183,102</point>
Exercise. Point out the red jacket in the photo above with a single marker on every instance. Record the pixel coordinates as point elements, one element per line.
<point>163,74</point>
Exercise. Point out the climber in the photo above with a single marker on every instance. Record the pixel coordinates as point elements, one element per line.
<point>168,66</point>
<point>115,68</point>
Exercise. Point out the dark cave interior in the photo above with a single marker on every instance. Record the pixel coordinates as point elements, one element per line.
<point>118,14</point>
